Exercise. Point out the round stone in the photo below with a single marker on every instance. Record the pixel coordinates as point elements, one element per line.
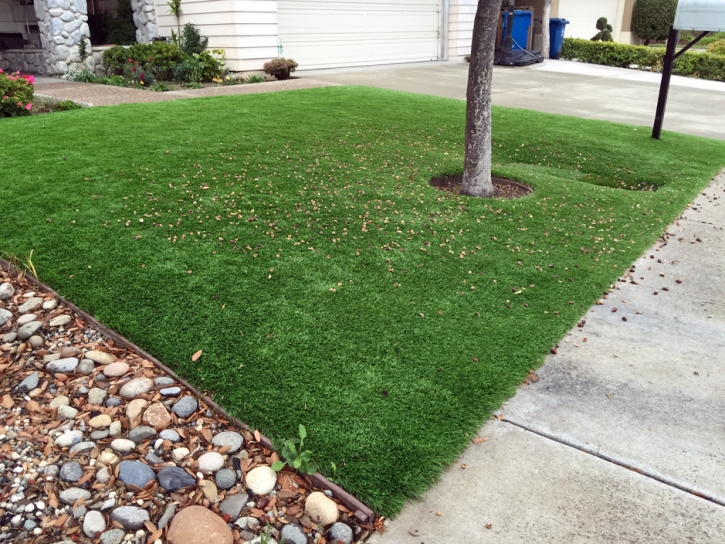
<point>100,357</point>
<point>135,473</point>
<point>261,480</point>
<point>68,438</point>
<point>103,476</point>
<point>100,422</point>
<point>97,395</point>
<point>60,400</point>
<point>71,471</point>
<point>164,380</point>
<point>114,536</point>
<point>233,505</point>
<point>209,490</point>
<point>72,494</point>
<point>23,319</point>
<point>196,524</point>
<point>29,383</point>
<point>132,518</point>
<point>29,329</point>
<point>65,413</point>
<point>170,434</point>
<point>85,367</point>
<point>293,534</point>
<point>225,478</point>
<point>179,453</point>
<point>50,305</point>
<point>157,416</point>
<point>136,387</point>
<point>115,429</point>
<point>210,462</point>
<point>115,370</point>
<point>321,508</point>
<point>35,341</point>
<point>108,458</point>
<point>340,531</point>
<point>6,291</point>
<point>139,434</point>
<point>30,305</point>
<point>99,435</point>
<point>174,478</point>
<point>62,366</point>
<point>228,438</point>
<point>94,523</point>
<point>170,391</point>
<point>81,447</point>
<point>60,321</point>
<point>185,406</point>
<point>134,410</point>
<point>123,446</point>
<point>5,316</point>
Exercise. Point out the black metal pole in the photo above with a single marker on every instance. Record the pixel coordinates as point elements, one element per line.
<point>672,41</point>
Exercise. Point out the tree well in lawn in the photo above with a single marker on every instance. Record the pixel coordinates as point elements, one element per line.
<point>325,281</point>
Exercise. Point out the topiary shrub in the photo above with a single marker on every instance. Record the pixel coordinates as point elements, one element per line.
<point>280,68</point>
<point>652,19</point>
<point>717,48</point>
<point>605,31</point>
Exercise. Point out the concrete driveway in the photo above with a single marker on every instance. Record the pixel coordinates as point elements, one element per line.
<point>569,88</point>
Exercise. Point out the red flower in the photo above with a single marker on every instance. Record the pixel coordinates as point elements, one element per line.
<point>133,69</point>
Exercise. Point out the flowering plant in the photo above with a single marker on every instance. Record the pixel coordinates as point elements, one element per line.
<point>135,73</point>
<point>16,94</point>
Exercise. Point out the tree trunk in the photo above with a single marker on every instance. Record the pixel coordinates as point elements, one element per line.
<point>477,164</point>
<point>545,36</point>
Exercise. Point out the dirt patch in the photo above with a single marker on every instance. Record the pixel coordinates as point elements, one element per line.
<point>504,188</point>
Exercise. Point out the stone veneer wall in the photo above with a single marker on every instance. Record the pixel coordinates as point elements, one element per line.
<point>144,16</point>
<point>62,23</point>
<point>27,61</point>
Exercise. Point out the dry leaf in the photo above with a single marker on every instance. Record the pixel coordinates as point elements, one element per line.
<point>481,439</point>
<point>196,355</point>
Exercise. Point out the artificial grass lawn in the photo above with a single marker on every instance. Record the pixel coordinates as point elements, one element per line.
<point>329,284</point>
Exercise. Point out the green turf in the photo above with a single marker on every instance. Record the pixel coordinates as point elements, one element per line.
<point>331,285</point>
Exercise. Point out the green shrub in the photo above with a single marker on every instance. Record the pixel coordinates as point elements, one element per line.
<point>189,71</point>
<point>161,87</point>
<point>605,31</point>
<point>710,38</point>
<point>254,78</point>
<point>16,94</point>
<point>699,65</point>
<point>66,105</point>
<point>717,48</point>
<point>136,73</point>
<point>191,40</point>
<point>83,76</point>
<point>157,57</point>
<point>212,64</point>
<point>652,19</point>
<point>280,68</point>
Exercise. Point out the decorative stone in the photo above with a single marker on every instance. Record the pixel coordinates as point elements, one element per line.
<point>85,367</point>
<point>340,531</point>
<point>131,517</point>
<point>179,453</point>
<point>153,459</point>
<point>29,383</point>
<point>97,395</point>
<point>157,416</point>
<point>68,438</point>
<point>50,305</point>
<point>113,401</point>
<point>100,422</point>
<point>35,341</point>
<point>170,435</point>
<point>103,476</point>
<point>72,494</point>
<point>70,351</point>
<point>58,401</point>
<point>163,380</point>
<point>261,480</point>
<point>321,508</point>
<point>136,387</point>
<point>123,446</point>
<point>174,478</point>
<point>233,506</point>
<point>93,524</point>
<point>170,392</point>
<point>139,434</point>
<point>228,438</point>
<point>115,429</point>
<point>167,515</point>
<point>134,410</point>
<point>6,291</point>
<point>30,305</point>
<point>196,524</point>
<point>135,473</point>
<point>5,316</point>
<point>210,462</point>
<point>81,447</point>
<point>29,329</point>
<point>115,370</point>
<point>114,536</point>
<point>293,534</point>
<point>71,471</point>
<point>65,413</point>
<point>210,491</point>
<point>23,319</point>
<point>108,458</point>
<point>99,435</point>
<point>62,366</point>
<point>225,478</point>
<point>100,357</point>
<point>9,337</point>
<point>60,321</point>
<point>185,406</point>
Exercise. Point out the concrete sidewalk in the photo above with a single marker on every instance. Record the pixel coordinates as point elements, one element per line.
<point>622,439</point>
<point>570,88</point>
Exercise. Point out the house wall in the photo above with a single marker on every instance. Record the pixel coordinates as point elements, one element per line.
<point>12,19</point>
<point>460,27</point>
<point>583,14</point>
<point>245,29</point>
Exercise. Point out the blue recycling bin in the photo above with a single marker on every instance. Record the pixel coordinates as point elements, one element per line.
<point>520,34</point>
<point>557,27</point>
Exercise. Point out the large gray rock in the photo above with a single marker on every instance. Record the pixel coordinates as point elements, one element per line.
<point>174,478</point>
<point>69,438</point>
<point>5,316</point>
<point>225,478</point>
<point>62,366</point>
<point>170,434</point>
<point>228,438</point>
<point>234,505</point>
<point>185,406</point>
<point>29,383</point>
<point>135,473</point>
<point>30,305</point>
<point>293,534</point>
<point>71,471</point>
<point>141,433</point>
<point>340,531</point>
<point>29,329</point>
<point>6,291</point>
<point>131,517</point>
<point>72,494</point>
<point>114,536</point>
<point>136,387</point>
<point>94,523</point>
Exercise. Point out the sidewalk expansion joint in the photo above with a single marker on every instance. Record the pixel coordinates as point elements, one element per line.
<point>621,463</point>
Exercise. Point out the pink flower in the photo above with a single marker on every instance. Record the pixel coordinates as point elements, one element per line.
<point>20,104</point>
<point>1,71</point>
<point>30,79</point>
<point>28,106</point>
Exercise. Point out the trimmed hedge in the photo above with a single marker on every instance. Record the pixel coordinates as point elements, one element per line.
<point>698,65</point>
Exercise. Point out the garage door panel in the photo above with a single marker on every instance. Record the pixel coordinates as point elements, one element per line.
<point>324,33</point>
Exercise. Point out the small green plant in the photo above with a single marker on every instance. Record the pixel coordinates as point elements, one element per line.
<point>66,105</point>
<point>254,78</point>
<point>26,262</point>
<point>193,85</point>
<point>293,454</point>
<point>83,49</point>
<point>605,31</point>
<point>280,68</point>
<point>717,48</point>
<point>82,76</point>
<point>161,87</point>
<point>190,70</point>
<point>191,40</point>
<point>175,10</point>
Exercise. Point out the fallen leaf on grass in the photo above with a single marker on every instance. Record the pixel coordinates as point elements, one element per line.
<point>196,355</point>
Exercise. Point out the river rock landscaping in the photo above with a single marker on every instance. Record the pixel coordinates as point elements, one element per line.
<point>97,444</point>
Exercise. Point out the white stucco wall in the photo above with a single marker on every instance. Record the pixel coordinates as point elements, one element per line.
<point>460,27</point>
<point>245,29</point>
<point>583,14</point>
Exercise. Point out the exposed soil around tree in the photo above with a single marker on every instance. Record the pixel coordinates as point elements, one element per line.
<point>505,188</point>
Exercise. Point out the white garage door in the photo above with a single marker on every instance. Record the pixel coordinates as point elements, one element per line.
<point>335,33</point>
